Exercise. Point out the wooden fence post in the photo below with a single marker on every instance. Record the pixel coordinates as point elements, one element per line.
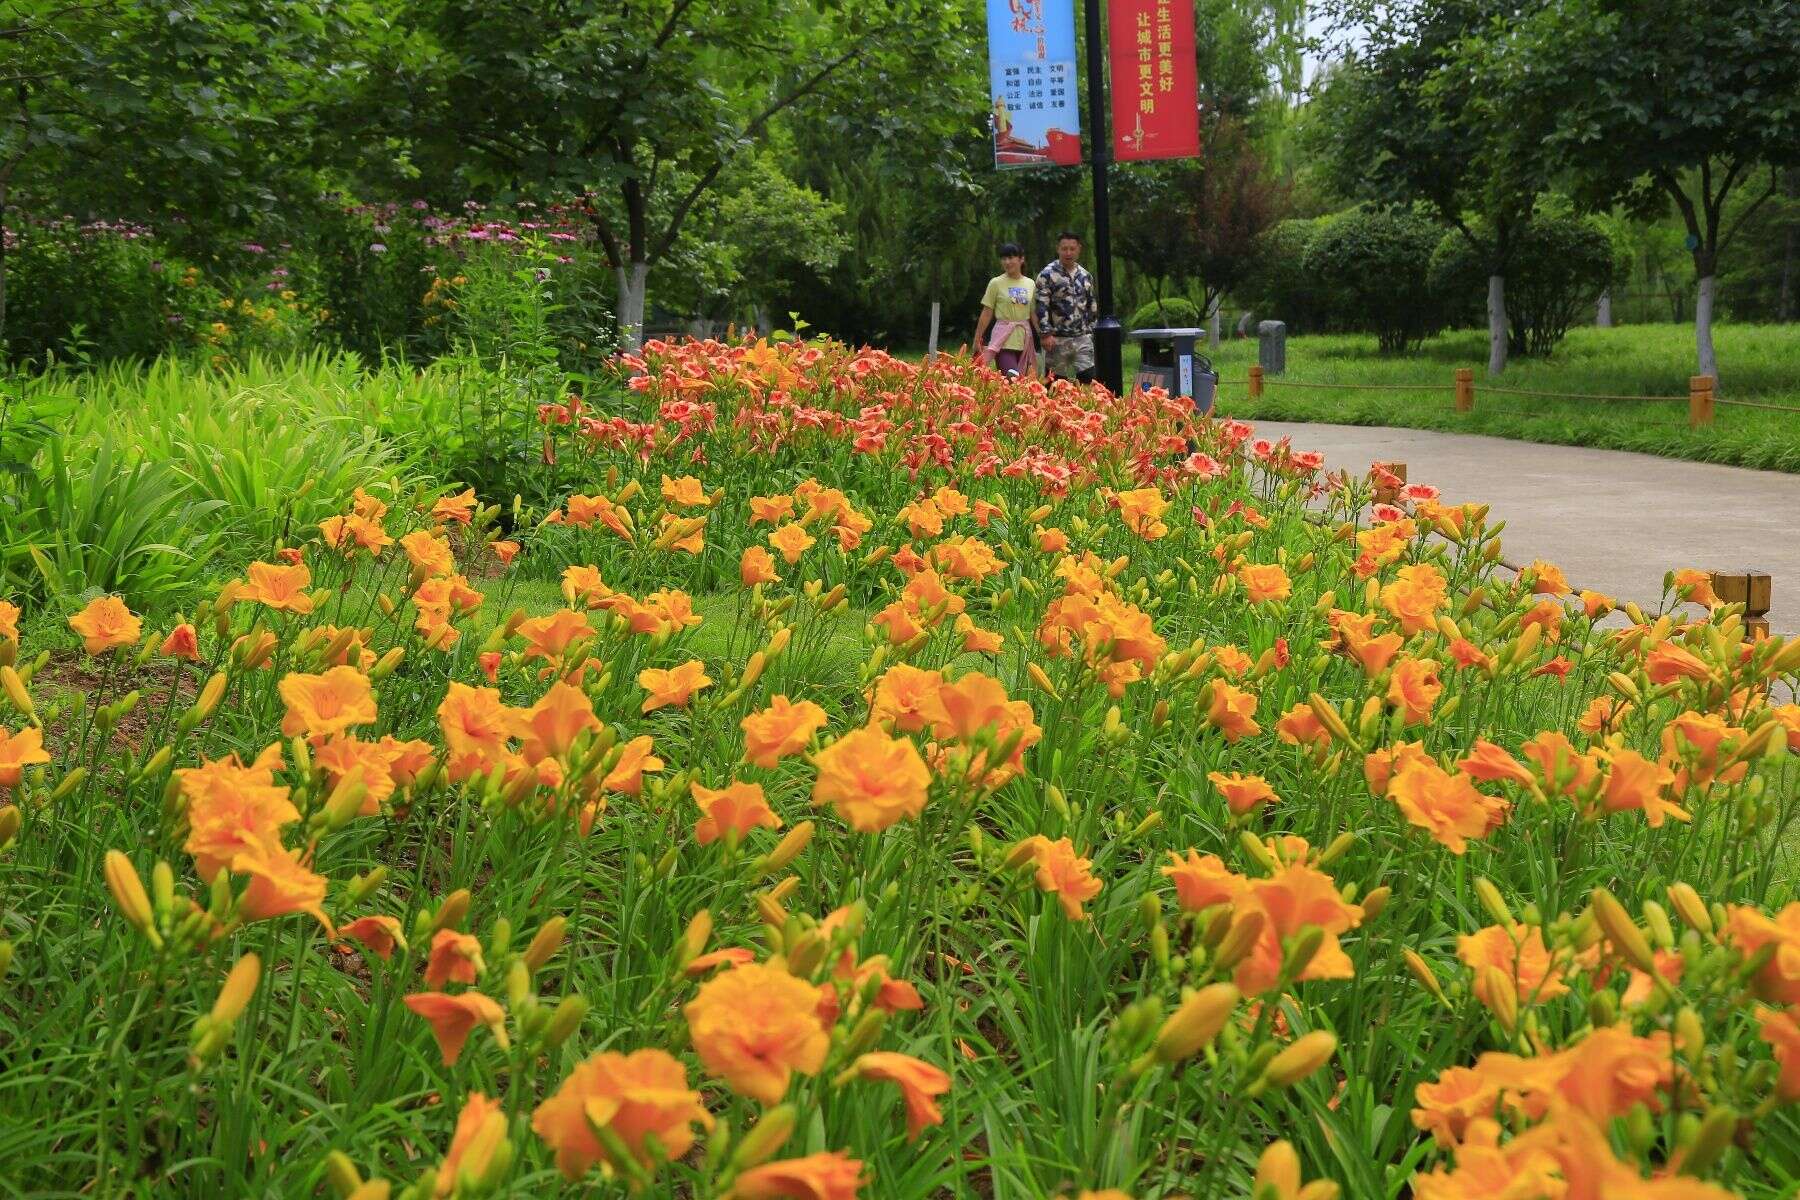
<point>1700,400</point>
<point>1256,383</point>
<point>1465,389</point>
<point>1752,589</point>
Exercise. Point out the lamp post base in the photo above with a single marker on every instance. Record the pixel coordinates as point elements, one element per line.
<point>1109,353</point>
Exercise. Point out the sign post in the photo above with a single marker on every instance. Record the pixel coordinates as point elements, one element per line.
<point>1109,335</point>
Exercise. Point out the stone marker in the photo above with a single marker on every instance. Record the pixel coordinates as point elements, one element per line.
<point>1271,349</point>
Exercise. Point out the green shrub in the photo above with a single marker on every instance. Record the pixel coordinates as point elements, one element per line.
<point>1281,288</point>
<point>100,291</point>
<point>1378,261</point>
<point>1559,267</point>
<point>1173,312</point>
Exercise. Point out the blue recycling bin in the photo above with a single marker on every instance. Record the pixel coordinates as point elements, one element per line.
<point>1170,361</point>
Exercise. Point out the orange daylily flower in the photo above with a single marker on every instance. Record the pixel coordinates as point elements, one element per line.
<point>792,541</point>
<point>773,509</point>
<point>905,698</point>
<point>1060,872</point>
<point>455,958</point>
<point>1265,582</point>
<point>1232,711</point>
<point>548,729</point>
<point>278,587</point>
<point>1201,882</point>
<point>872,779</point>
<point>319,706</point>
<point>757,566</point>
<point>18,751</point>
<point>279,884</point>
<point>182,643</point>
<point>672,686</point>
<point>634,1097</point>
<point>1520,955</point>
<point>429,554</point>
<point>635,758</point>
<point>833,1175</point>
<point>106,624</point>
<point>919,1082</point>
<point>550,636</point>
<point>1414,689</point>
<point>736,809</point>
<point>782,729</point>
<point>453,1018</point>
<point>685,492</point>
<point>1445,805</point>
<point>754,1027</point>
<point>1242,793</point>
<point>378,933</point>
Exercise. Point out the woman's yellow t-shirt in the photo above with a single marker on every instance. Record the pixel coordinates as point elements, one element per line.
<point>1011,300</point>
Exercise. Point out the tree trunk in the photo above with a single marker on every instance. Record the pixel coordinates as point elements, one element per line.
<point>1706,362</point>
<point>1603,310</point>
<point>1496,324</point>
<point>631,303</point>
<point>1212,327</point>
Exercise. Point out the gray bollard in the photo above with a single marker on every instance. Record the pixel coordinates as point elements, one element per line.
<point>1271,349</point>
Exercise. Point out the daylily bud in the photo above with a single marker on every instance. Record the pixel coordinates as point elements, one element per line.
<point>452,911</point>
<point>1310,1052</point>
<point>342,1174</point>
<point>1622,932</point>
<point>565,1020</point>
<point>767,1138</point>
<point>240,985</point>
<point>1245,929</point>
<point>548,941</point>
<point>1503,997</point>
<point>1193,1026</point>
<point>1425,975</point>
<point>128,893</point>
<point>788,848</point>
<point>1686,901</point>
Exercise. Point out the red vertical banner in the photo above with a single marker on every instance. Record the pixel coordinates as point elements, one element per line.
<point>1155,92</point>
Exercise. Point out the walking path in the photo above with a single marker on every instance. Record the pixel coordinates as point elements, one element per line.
<point>1614,522</point>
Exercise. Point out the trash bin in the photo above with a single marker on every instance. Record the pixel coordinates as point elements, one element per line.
<point>1171,362</point>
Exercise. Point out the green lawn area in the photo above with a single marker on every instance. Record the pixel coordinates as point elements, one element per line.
<point>1757,363</point>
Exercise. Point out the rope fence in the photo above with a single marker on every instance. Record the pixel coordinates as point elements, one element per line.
<point>1701,400</point>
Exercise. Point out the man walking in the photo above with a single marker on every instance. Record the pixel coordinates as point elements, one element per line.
<point>1067,309</point>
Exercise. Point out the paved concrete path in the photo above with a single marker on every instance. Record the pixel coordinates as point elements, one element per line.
<point>1614,522</point>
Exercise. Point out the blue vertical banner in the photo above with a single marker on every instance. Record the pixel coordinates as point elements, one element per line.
<point>1033,108</point>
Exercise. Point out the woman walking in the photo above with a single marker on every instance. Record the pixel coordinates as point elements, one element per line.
<point>1007,330</point>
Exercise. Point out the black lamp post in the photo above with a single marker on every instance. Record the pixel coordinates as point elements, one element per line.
<point>1109,335</point>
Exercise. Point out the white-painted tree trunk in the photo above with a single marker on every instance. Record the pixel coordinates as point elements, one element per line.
<point>1706,362</point>
<point>1603,310</point>
<point>1496,324</point>
<point>1212,328</point>
<point>632,279</point>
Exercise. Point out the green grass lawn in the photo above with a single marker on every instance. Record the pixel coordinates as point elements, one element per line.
<point>1757,363</point>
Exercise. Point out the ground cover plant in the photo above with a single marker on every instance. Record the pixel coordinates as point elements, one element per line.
<point>871,779</point>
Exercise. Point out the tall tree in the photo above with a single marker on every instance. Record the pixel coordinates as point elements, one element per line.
<point>642,104</point>
<point>196,109</point>
<point>1647,101</point>
<point>1196,223</point>
<point>1401,123</point>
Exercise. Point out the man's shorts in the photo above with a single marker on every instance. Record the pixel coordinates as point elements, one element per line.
<point>1070,356</point>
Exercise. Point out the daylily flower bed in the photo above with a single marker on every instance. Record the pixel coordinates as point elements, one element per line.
<point>927,785</point>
